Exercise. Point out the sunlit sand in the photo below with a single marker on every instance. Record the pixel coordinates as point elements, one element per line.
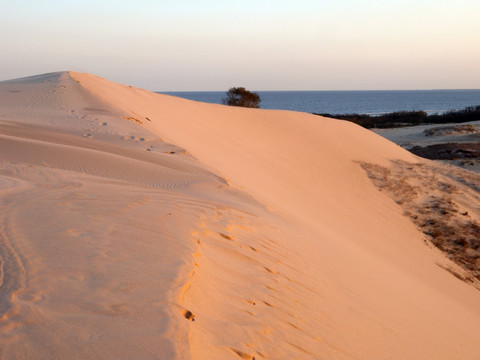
<point>136,225</point>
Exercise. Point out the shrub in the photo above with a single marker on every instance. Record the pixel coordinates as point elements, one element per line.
<point>239,96</point>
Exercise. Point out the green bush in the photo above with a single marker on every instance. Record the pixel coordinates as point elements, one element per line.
<point>239,96</point>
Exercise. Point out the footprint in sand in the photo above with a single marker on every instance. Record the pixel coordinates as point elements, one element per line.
<point>243,355</point>
<point>187,314</point>
<point>226,237</point>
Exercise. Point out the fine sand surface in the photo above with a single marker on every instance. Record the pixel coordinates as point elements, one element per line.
<point>135,225</point>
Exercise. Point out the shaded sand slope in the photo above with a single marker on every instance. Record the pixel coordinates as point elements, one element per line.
<point>272,241</point>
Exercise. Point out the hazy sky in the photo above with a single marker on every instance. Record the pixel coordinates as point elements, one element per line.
<point>261,44</point>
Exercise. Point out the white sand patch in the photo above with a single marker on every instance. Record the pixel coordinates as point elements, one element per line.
<point>411,136</point>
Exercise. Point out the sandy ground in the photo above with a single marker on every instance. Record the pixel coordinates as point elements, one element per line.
<point>135,225</point>
<point>440,141</point>
<point>411,136</point>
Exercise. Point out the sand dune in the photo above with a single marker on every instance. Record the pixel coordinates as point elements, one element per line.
<point>143,226</point>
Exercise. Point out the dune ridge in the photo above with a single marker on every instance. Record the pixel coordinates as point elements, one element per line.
<point>139,225</point>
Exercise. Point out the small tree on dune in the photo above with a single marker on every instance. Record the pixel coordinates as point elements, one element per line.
<point>239,96</point>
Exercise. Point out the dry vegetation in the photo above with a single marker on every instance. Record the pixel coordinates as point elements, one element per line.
<point>444,202</point>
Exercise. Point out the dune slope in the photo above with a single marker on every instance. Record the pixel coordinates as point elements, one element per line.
<point>138,225</point>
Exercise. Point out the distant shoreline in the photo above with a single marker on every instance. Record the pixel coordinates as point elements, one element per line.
<point>368,102</point>
<point>409,118</point>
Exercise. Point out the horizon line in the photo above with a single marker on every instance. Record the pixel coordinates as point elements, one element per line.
<point>341,90</point>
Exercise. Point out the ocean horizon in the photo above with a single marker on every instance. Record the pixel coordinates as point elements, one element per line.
<point>372,102</point>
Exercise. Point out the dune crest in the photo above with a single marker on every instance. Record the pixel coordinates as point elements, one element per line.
<point>139,225</point>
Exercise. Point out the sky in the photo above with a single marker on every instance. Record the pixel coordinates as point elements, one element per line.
<point>188,45</point>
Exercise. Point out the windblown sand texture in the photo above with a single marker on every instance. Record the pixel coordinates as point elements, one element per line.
<point>135,225</point>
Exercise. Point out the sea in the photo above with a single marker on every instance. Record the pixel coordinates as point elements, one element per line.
<point>375,102</point>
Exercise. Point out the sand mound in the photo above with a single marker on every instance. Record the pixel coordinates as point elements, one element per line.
<point>137,225</point>
<point>450,130</point>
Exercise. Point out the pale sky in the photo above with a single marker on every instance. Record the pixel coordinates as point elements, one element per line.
<point>174,45</point>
